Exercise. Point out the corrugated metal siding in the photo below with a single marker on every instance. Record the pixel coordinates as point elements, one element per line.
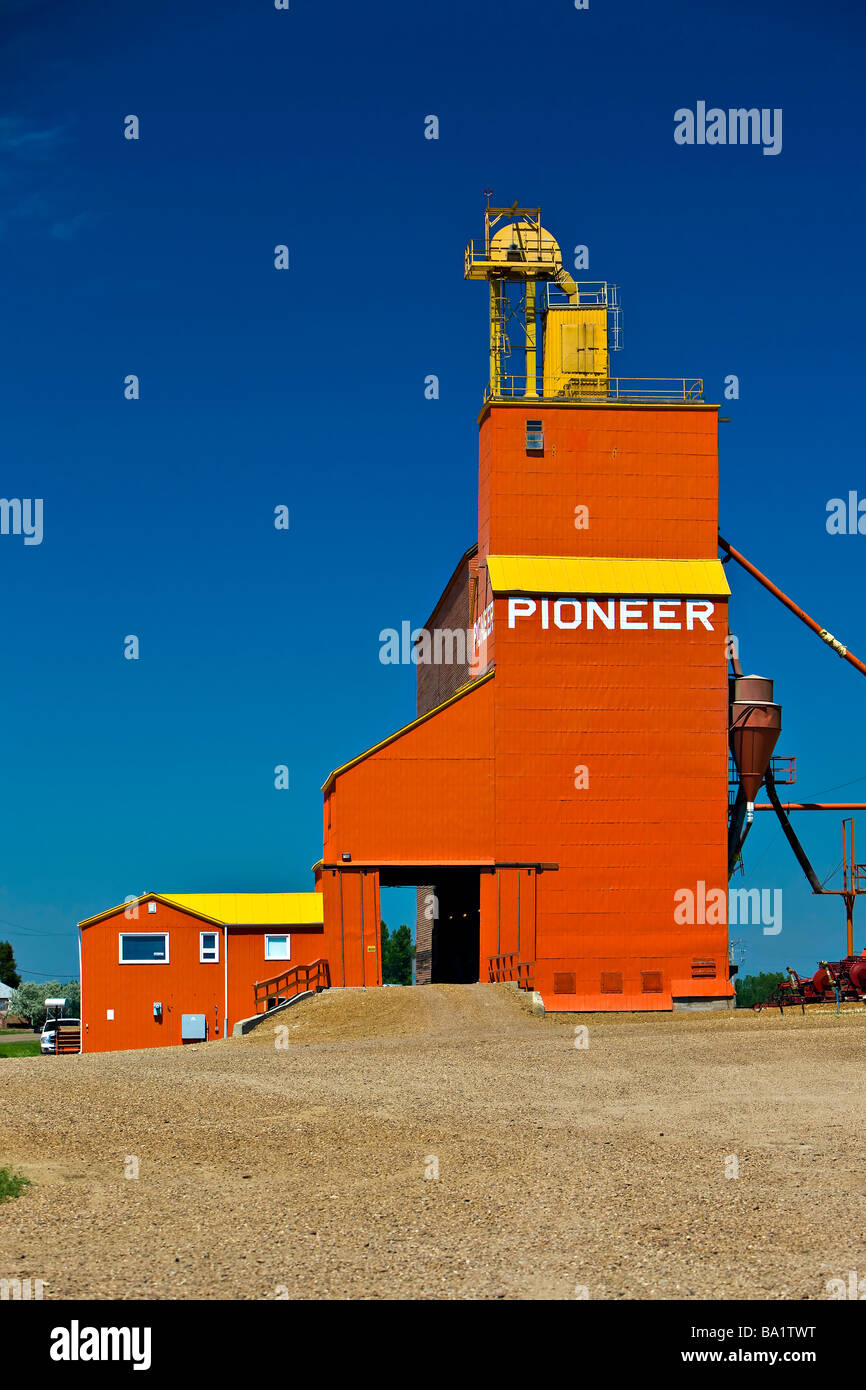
<point>426,796</point>
<point>352,918</point>
<point>648,477</point>
<point>438,681</point>
<point>183,985</point>
<point>248,965</point>
<point>644,711</point>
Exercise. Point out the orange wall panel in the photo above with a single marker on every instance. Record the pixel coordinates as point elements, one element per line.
<point>182,985</point>
<point>352,926</point>
<point>645,713</point>
<point>248,965</point>
<point>425,796</point>
<point>648,477</point>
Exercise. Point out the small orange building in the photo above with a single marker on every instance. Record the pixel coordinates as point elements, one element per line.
<point>168,968</point>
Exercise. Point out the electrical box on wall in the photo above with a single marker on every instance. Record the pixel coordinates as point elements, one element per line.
<point>193,1028</point>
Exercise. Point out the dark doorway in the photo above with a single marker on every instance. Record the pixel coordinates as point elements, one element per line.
<point>448,919</point>
<point>456,939</point>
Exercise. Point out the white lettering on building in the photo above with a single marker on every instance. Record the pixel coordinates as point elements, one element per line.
<point>631,614</point>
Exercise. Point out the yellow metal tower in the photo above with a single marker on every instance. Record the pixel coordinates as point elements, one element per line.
<point>575,338</point>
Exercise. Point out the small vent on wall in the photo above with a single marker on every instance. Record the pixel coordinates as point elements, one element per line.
<point>611,982</point>
<point>703,969</point>
<point>651,981</point>
<point>563,982</point>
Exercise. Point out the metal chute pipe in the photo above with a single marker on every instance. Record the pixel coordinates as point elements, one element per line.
<point>817,806</point>
<point>565,282</point>
<point>831,641</point>
<point>802,858</point>
<point>737,832</point>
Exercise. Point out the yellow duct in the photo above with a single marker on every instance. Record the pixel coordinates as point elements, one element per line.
<point>566,283</point>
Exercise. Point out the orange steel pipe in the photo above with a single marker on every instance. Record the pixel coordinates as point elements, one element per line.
<point>795,608</point>
<point>816,806</point>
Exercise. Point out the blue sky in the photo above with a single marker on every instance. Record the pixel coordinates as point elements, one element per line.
<point>306,388</point>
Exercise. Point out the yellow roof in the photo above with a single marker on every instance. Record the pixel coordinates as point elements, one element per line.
<point>578,574</point>
<point>238,909</point>
<point>253,909</point>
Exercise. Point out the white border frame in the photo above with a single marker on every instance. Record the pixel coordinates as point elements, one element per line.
<point>209,960</point>
<point>122,934</point>
<point>269,936</point>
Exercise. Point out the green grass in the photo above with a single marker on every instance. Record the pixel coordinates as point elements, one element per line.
<point>11,1184</point>
<point>27,1047</point>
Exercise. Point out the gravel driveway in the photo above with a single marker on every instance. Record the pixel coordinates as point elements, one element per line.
<point>310,1170</point>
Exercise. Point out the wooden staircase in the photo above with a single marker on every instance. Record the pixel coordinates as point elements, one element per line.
<point>298,979</point>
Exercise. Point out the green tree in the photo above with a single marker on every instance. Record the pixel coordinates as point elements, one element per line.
<point>397,956</point>
<point>754,989</point>
<point>8,969</point>
<point>29,998</point>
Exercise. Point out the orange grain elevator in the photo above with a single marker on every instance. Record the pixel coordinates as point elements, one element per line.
<point>561,798</point>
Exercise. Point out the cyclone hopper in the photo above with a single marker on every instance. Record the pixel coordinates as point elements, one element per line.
<point>755,726</point>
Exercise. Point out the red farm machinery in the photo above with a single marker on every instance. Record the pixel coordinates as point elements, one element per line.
<point>834,981</point>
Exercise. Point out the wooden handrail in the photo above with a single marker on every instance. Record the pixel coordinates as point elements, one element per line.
<point>506,968</point>
<point>298,979</point>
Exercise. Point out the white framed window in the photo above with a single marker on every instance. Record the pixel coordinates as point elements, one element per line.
<point>278,947</point>
<point>143,948</point>
<point>209,946</point>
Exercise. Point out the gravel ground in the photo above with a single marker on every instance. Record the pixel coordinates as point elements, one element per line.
<point>300,1171</point>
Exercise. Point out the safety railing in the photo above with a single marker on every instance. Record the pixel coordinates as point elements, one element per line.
<point>635,390</point>
<point>507,969</point>
<point>784,771</point>
<point>532,253</point>
<point>298,979</point>
<point>592,294</point>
